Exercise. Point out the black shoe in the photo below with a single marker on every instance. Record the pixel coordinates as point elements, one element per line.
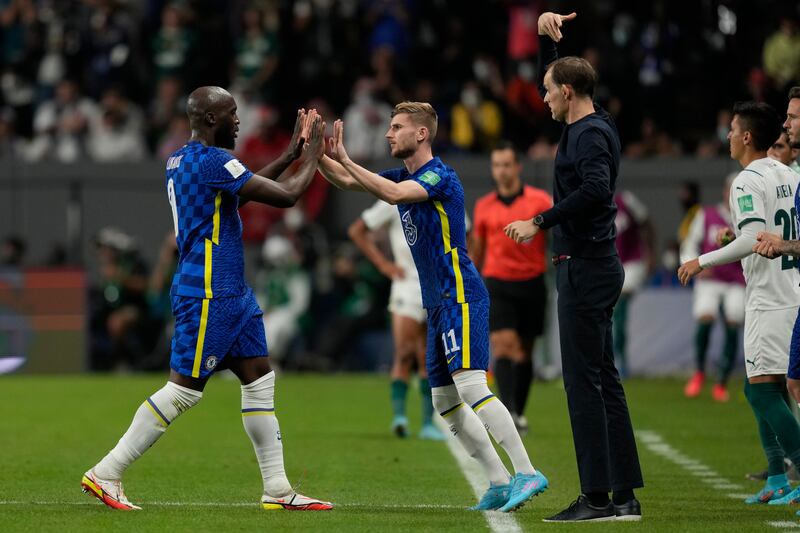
<point>630,511</point>
<point>582,511</point>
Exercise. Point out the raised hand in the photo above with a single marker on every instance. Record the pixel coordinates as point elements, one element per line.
<point>316,141</point>
<point>338,151</point>
<point>550,24</point>
<point>298,140</point>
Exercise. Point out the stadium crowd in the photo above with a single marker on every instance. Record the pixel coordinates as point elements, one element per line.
<point>107,79</point>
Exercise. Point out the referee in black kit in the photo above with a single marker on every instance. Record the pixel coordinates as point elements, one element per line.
<point>589,279</point>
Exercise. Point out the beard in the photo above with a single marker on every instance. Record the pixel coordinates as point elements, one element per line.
<point>224,138</point>
<point>403,153</point>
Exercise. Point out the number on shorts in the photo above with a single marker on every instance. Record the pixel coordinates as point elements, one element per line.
<point>454,347</point>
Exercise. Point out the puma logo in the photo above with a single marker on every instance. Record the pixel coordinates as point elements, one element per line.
<point>740,188</point>
<point>752,362</point>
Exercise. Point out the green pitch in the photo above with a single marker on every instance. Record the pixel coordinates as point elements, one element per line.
<point>202,475</point>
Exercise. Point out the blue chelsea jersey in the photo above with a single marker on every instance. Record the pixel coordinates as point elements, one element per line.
<point>436,233</point>
<point>202,187</point>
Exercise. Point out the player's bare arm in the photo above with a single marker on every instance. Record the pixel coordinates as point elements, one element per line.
<point>550,24</point>
<point>285,192</point>
<point>361,236</point>
<point>405,192</point>
<point>336,174</point>
<point>275,169</point>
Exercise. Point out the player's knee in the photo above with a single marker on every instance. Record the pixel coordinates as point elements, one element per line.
<point>260,394</point>
<point>171,401</point>
<point>445,398</point>
<point>472,386</point>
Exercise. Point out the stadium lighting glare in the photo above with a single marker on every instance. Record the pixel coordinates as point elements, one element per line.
<point>727,20</point>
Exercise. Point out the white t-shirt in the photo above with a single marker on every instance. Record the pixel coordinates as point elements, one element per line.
<point>383,215</point>
<point>764,192</point>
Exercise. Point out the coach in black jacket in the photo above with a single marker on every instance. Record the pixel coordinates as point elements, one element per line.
<point>589,278</point>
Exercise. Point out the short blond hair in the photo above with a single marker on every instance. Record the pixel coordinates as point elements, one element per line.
<point>422,114</point>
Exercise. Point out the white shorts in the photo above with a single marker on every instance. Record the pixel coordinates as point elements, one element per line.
<point>709,294</point>
<point>406,300</point>
<point>767,336</point>
<point>635,276</point>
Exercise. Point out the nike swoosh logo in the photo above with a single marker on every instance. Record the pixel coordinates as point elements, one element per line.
<point>448,361</point>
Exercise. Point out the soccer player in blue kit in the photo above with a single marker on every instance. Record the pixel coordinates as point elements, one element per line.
<point>218,323</point>
<point>430,201</point>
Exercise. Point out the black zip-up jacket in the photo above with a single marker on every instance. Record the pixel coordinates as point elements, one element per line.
<point>586,167</point>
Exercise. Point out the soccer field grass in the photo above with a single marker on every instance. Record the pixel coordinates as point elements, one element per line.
<point>202,475</point>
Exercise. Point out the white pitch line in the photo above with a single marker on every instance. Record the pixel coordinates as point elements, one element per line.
<point>498,522</point>
<point>656,444</point>
<point>255,504</point>
<point>788,525</point>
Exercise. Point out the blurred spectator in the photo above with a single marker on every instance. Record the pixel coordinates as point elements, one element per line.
<point>173,43</point>
<point>117,303</point>
<point>267,142</point>
<point>10,143</point>
<point>717,144</point>
<point>782,151</point>
<point>388,20</point>
<point>359,299</point>
<point>169,103</point>
<point>284,294</point>
<point>116,131</point>
<point>782,54</point>
<point>528,113</point>
<point>18,21</point>
<point>385,74</point>
<point>523,33</point>
<point>61,125</point>
<point>14,326</point>
<point>367,123</point>
<point>542,148</point>
<point>177,135</point>
<point>476,123</point>
<point>258,51</point>
<point>12,251</point>
<point>653,142</point>
<point>158,323</point>
<point>107,38</point>
<point>689,198</point>
<point>258,150</point>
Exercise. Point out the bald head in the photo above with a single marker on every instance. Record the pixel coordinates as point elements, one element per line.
<point>212,116</point>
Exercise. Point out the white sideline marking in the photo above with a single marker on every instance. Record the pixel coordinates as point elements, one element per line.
<point>253,504</point>
<point>656,444</point>
<point>498,522</point>
<point>784,524</point>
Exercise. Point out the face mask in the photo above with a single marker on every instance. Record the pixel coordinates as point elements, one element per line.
<point>525,71</point>
<point>480,69</point>
<point>669,260</point>
<point>294,218</point>
<point>470,97</point>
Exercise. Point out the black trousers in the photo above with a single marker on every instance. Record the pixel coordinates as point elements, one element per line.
<point>605,447</point>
